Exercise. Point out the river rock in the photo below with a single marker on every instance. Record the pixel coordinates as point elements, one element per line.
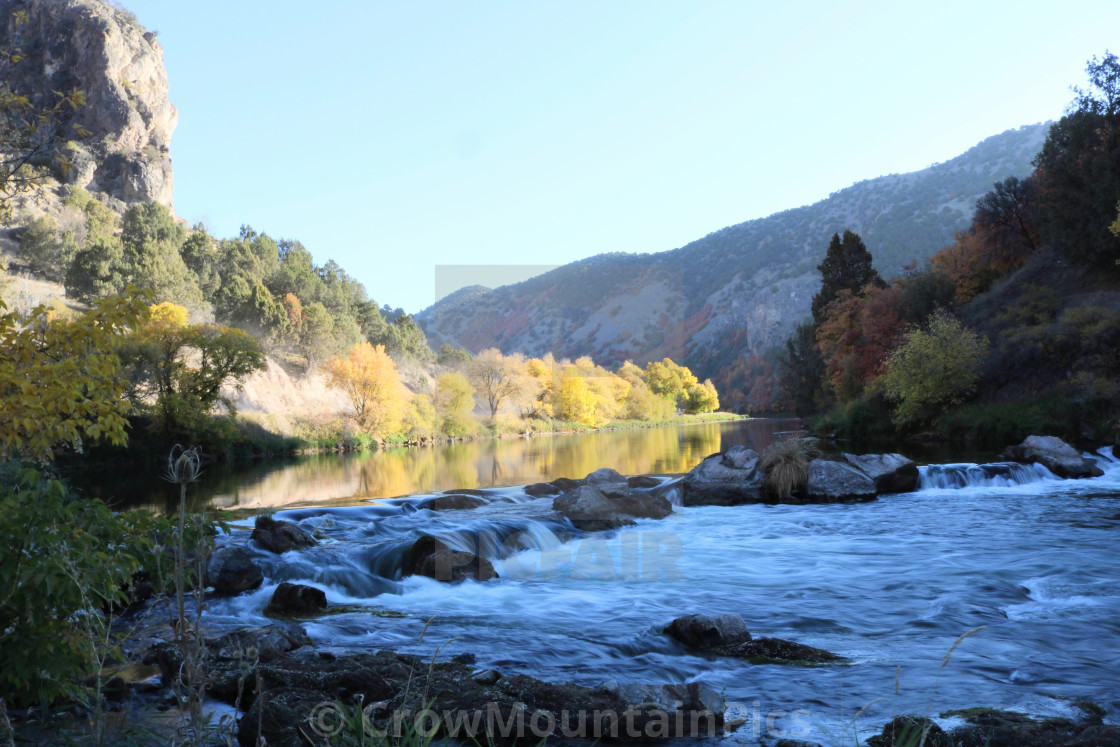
<point>708,631</point>
<point>296,682</point>
<point>609,482</point>
<point>296,600</point>
<point>642,482</point>
<point>231,570</point>
<point>589,509</point>
<point>1055,455</point>
<point>280,536</point>
<point>728,479</point>
<point>831,482</point>
<point>429,556</point>
<point>452,502</point>
<point>907,730</point>
<point>765,650</point>
<point>892,473</point>
<point>541,489</point>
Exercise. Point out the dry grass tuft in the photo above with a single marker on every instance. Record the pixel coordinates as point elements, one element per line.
<point>786,465</point>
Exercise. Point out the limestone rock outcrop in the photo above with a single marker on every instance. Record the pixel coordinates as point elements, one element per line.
<point>118,65</point>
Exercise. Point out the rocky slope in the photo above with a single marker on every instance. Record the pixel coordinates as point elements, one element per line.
<point>118,65</point>
<point>734,293</point>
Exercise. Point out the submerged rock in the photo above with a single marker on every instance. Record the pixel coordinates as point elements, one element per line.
<point>232,570</point>
<point>727,635</point>
<point>642,482</point>
<point>296,600</point>
<point>431,557</point>
<point>892,473</point>
<point>831,482</point>
<point>992,727</point>
<point>728,479</point>
<point>280,536</point>
<point>765,650</point>
<point>452,502</point>
<point>1055,455</point>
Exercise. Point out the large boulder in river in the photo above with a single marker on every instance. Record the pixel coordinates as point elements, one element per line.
<point>892,473</point>
<point>708,631</point>
<point>834,482</point>
<point>1054,454</point>
<point>729,479</point>
<point>591,509</point>
<point>296,600</point>
<point>280,536</point>
<point>231,570</point>
<point>609,482</point>
<point>431,557</point>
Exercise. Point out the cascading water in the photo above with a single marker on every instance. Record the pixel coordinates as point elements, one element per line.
<point>887,584</point>
<point>992,475</point>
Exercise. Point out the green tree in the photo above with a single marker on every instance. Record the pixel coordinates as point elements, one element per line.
<point>152,240</point>
<point>182,368</point>
<point>847,265</point>
<point>44,251</point>
<point>934,368</point>
<point>1079,170</point>
<point>96,271</point>
<point>802,368</point>
<point>200,254</point>
<point>1007,218</point>
<point>404,338</point>
<point>453,357</point>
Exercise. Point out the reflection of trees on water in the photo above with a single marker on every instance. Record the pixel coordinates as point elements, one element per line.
<point>388,473</point>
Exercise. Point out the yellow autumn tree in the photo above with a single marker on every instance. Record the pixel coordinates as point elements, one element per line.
<point>577,401</point>
<point>369,377</point>
<point>454,401</point>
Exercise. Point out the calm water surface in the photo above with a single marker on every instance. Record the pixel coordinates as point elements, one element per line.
<point>349,478</point>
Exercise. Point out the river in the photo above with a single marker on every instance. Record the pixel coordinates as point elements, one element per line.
<point>889,584</point>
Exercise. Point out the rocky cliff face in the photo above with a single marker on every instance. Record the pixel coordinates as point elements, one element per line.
<point>723,300</point>
<point>118,65</point>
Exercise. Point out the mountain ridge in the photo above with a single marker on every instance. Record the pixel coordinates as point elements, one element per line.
<point>737,291</point>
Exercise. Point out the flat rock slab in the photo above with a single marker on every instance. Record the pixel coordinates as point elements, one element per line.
<point>892,473</point>
<point>763,650</point>
<point>836,482</point>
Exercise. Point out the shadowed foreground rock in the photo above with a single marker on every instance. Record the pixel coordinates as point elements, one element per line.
<point>408,691</point>
<point>231,570</point>
<point>996,728</point>
<point>727,635</point>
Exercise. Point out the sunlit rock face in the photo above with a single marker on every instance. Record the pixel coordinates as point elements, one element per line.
<point>118,65</point>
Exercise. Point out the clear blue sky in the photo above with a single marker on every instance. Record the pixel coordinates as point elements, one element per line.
<point>402,137</point>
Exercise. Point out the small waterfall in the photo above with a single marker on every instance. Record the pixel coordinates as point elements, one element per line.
<point>993,475</point>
